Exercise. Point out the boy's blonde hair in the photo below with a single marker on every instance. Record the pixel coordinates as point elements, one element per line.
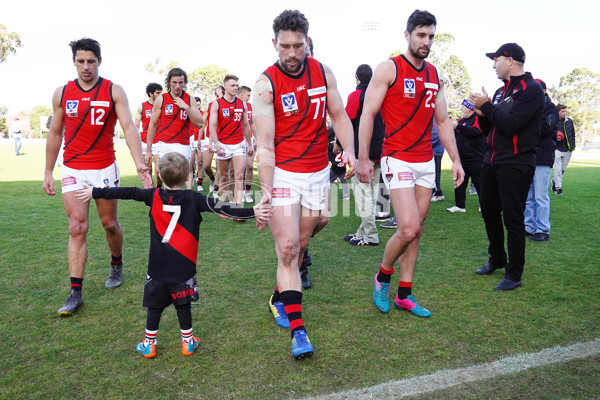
<point>174,169</point>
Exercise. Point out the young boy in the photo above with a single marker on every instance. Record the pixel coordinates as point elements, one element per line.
<point>174,224</point>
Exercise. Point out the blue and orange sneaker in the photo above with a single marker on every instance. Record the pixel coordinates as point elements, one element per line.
<point>148,350</point>
<point>301,346</point>
<point>381,295</point>
<point>279,313</point>
<point>188,348</point>
<point>411,304</point>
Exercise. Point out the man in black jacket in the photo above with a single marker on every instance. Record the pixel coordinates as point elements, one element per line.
<point>537,209</point>
<point>509,161</point>
<point>564,146</point>
<point>470,141</point>
<point>365,194</point>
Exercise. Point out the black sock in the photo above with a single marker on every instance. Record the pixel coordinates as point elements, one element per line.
<point>276,295</point>
<point>116,261</point>
<point>384,276</point>
<point>76,284</point>
<point>404,289</point>
<point>292,302</point>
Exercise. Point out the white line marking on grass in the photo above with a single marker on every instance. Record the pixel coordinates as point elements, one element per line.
<point>448,378</point>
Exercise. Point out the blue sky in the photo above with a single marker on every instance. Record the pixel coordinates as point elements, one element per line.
<point>557,37</point>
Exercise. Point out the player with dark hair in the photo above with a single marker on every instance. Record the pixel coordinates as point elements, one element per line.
<point>290,100</point>
<point>208,147</point>
<point>86,110</point>
<point>230,131</point>
<point>142,116</point>
<point>172,114</point>
<point>244,95</point>
<point>175,217</point>
<point>410,94</point>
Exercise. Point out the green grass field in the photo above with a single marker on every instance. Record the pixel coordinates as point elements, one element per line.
<point>243,354</point>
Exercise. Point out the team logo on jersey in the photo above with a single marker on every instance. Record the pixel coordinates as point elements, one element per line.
<point>148,113</point>
<point>226,113</point>
<point>389,176</point>
<point>409,88</point>
<point>105,181</point>
<point>71,110</point>
<point>169,109</point>
<point>288,101</point>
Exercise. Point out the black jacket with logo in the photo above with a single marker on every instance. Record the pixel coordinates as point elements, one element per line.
<point>515,115</point>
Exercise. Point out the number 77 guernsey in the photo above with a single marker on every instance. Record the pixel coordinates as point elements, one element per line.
<point>300,103</point>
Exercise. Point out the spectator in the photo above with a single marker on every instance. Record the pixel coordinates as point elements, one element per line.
<point>565,145</point>
<point>470,141</point>
<point>365,194</point>
<point>438,153</point>
<point>17,134</point>
<point>537,208</point>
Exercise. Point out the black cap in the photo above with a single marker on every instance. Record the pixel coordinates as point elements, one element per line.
<point>509,50</point>
<point>541,82</point>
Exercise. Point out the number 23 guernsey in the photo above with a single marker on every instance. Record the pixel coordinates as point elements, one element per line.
<point>89,121</point>
<point>300,104</point>
<point>407,111</point>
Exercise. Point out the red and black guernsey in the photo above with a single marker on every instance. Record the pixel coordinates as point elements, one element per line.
<point>249,114</point>
<point>300,104</point>
<point>173,124</point>
<point>175,217</point>
<point>146,114</point>
<point>229,121</point>
<point>89,121</point>
<point>407,111</point>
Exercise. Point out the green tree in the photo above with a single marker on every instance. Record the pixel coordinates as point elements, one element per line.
<point>9,42</point>
<point>35,114</point>
<point>157,67</point>
<point>580,91</point>
<point>3,124</point>
<point>203,81</point>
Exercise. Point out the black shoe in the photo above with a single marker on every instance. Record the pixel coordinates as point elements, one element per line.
<point>306,283</point>
<point>553,186</point>
<point>487,269</point>
<point>349,237</point>
<point>527,233</point>
<point>559,191</point>
<point>507,284</point>
<point>306,259</point>
<point>540,237</point>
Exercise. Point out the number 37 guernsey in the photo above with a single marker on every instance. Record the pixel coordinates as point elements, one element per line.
<point>89,121</point>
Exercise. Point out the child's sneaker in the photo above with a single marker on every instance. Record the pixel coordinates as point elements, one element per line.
<point>188,348</point>
<point>411,304</point>
<point>148,350</point>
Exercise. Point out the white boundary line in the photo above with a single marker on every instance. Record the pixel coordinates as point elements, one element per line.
<point>448,378</point>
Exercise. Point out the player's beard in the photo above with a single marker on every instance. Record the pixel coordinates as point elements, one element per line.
<point>419,55</point>
<point>292,69</point>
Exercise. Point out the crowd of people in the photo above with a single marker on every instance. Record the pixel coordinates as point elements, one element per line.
<point>389,140</point>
